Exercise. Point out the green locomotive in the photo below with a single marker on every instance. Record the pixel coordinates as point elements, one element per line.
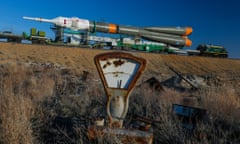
<point>212,51</point>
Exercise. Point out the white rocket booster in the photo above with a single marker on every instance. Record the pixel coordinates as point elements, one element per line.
<point>176,36</point>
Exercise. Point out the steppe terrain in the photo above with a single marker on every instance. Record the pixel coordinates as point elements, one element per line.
<point>50,94</point>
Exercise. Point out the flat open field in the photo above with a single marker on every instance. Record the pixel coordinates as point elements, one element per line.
<point>81,59</point>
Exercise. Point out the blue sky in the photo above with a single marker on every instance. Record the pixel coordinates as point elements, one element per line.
<point>213,21</point>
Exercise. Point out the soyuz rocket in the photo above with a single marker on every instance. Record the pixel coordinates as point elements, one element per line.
<point>176,36</point>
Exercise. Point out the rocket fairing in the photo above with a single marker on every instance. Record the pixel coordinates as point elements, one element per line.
<point>72,23</point>
<point>176,36</point>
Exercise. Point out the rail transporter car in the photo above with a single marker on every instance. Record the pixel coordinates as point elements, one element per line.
<point>83,39</point>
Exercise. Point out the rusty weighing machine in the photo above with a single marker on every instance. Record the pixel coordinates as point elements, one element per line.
<point>119,73</point>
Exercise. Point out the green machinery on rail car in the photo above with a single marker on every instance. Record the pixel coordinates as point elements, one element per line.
<point>37,37</point>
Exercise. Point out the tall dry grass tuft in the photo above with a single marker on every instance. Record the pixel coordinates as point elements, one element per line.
<point>153,104</point>
<point>16,112</point>
<point>21,90</point>
<point>223,107</point>
<point>222,102</point>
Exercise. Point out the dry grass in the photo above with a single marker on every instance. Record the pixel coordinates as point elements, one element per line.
<point>221,126</point>
<point>16,112</point>
<point>42,103</point>
<point>20,91</point>
<point>222,102</point>
<point>82,59</point>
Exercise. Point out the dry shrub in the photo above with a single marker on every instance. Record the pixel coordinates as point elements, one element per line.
<point>158,107</point>
<point>64,117</point>
<point>221,103</point>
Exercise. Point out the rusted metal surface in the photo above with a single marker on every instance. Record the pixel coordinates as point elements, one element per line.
<point>119,73</point>
<point>122,136</point>
<point>114,61</point>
